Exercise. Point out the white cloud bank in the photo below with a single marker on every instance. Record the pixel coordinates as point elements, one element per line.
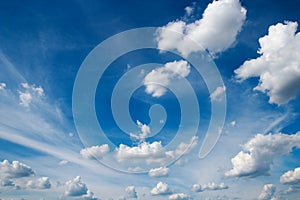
<point>159,78</point>
<point>267,192</point>
<point>159,172</point>
<point>209,186</point>
<point>278,66</point>
<point>216,31</point>
<point>259,152</point>
<point>160,189</point>
<point>95,152</point>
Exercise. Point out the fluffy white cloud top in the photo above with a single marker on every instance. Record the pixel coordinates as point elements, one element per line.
<point>278,66</point>
<point>216,31</point>
<point>130,192</point>
<point>2,86</point>
<point>95,152</point>
<point>75,187</point>
<point>267,192</point>
<point>179,196</point>
<point>40,183</point>
<point>209,186</point>
<point>160,189</point>
<point>291,177</point>
<point>159,172</point>
<point>15,169</point>
<point>31,92</point>
<point>218,94</point>
<point>259,152</point>
<point>144,131</point>
<point>159,78</point>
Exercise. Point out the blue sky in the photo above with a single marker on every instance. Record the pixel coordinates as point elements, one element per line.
<point>203,103</point>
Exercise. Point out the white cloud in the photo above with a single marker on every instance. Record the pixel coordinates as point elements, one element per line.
<point>233,123</point>
<point>188,10</point>
<point>179,196</point>
<point>217,30</point>
<point>5,182</point>
<point>145,131</point>
<point>278,66</point>
<point>95,152</point>
<point>159,78</point>
<point>218,94</point>
<point>14,170</point>
<point>267,192</point>
<point>209,186</point>
<point>160,189</point>
<point>130,192</point>
<point>259,152</point>
<point>63,162</point>
<point>159,172</point>
<point>291,177</point>
<point>75,187</point>
<point>25,98</point>
<point>31,92</point>
<point>2,86</point>
<point>40,183</point>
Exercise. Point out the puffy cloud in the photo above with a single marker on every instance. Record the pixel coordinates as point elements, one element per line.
<point>267,192</point>
<point>145,131</point>
<point>233,123</point>
<point>75,187</point>
<point>217,30</point>
<point>152,153</point>
<point>159,172</point>
<point>218,94</point>
<point>159,78</point>
<point>278,66</point>
<point>5,182</point>
<point>95,152</point>
<point>14,170</point>
<point>31,92</point>
<point>2,86</point>
<point>130,192</point>
<point>209,186</point>
<point>188,10</point>
<point>160,189</point>
<point>40,183</point>
<point>291,177</point>
<point>179,196</point>
<point>259,152</point>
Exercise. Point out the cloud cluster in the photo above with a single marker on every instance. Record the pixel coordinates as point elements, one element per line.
<point>159,172</point>
<point>267,192</point>
<point>259,152</point>
<point>291,177</point>
<point>76,188</point>
<point>31,92</point>
<point>130,192</point>
<point>145,131</point>
<point>2,86</point>
<point>278,66</point>
<point>14,170</point>
<point>40,183</point>
<point>95,152</point>
<point>159,78</point>
<point>209,186</point>
<point>216,31</point>
<point>160,189</point>
<point>179,196</point>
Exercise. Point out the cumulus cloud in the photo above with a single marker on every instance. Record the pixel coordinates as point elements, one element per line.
<point>209,186</point>
<point>159,78</point>
<point>40,183</point>
<point>259,152</point>
<point>278,66</point>
<point>31,92</point>
<point>14,170</point>
<point>233,123</point>
<point>218,94</point>
<point>75,187</point>
<point>130,192</point>
<point>5,182</point>
<point>152,153</point>
<point>159,172</point>
<point>2,86</point>
<point>160,189</point>
<point>267,192</point>
<point>179,196</point>
<point>291,177</point>
<point>95,152</point>
<point>216,31</point>
<point>145,131</point>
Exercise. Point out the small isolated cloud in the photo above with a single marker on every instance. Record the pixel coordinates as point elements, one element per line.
<point>130,192</point>
<point>179,196</point>
<point>233,123</point>
<point>218,94</point>
<point>216,31</point>
<point>145,131</point>
<point>291,177</point>
<point>159,78</point>
<point>75,187</point>
<point>40,183</point>
<point>31,92</point>
<point>267,192</point>
<point>209,186</point>
<point>95,152</point>
<point>63,162</point>
<point>159,172</point>
<point>2,86</point>
<point>259,152</point>
<point>278,66</point>
<point>188,10</point>
<point>160,189</point>
<point>14,170</point>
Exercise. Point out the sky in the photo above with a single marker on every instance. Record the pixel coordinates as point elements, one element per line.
<point>150,99</point>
